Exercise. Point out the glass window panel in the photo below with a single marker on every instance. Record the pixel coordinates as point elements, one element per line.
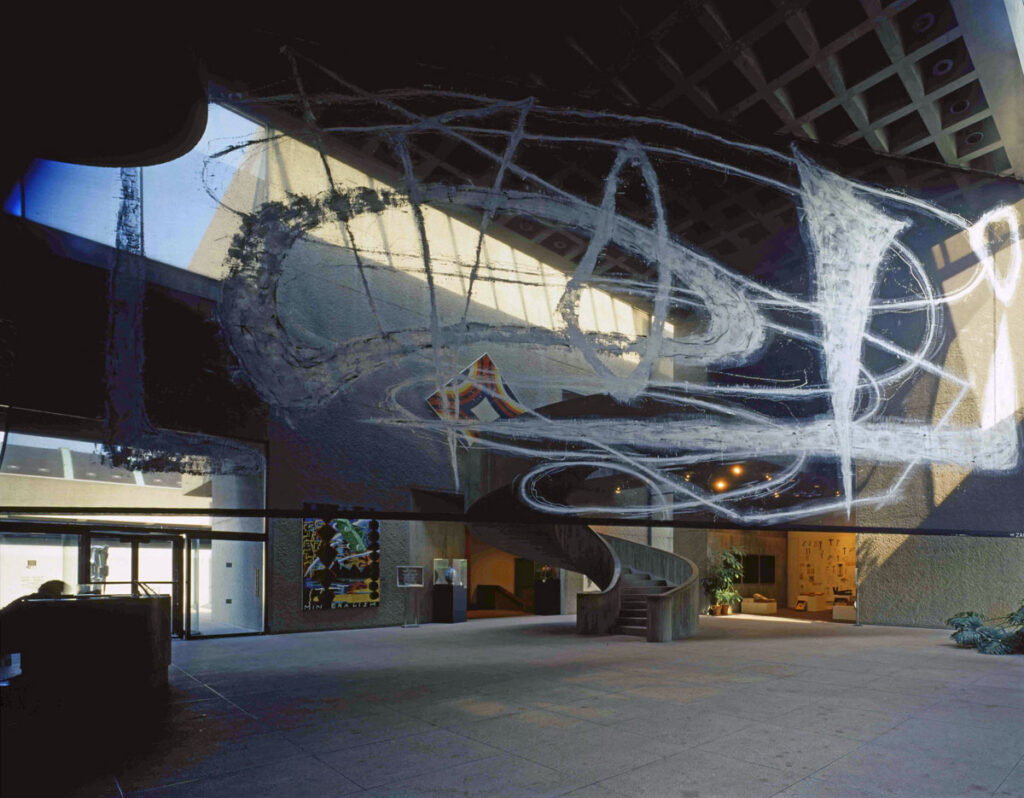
<point>749,568</point>
<point>12,204</point>
<point>27,561</point>
<point>48,471</point>
<point>179,198</point>
<point>155,564</point>
<point>82,200</point>
<point>110,562</point>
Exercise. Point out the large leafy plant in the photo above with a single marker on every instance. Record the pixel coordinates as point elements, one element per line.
<point>1004,634</point>
<point>726,571</point>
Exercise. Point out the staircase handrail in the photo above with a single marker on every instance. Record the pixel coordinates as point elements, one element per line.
<point>673,613</point>
<point>596,613</point>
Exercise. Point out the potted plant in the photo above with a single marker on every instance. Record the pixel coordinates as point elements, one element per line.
<point>725,598</point>
<point>726,571</point>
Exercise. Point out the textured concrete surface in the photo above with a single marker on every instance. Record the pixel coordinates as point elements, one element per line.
<point>524,707</point>
<point>921,580</point>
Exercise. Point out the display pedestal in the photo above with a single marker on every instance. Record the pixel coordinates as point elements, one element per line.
<point>412,607</point>
<point>547,597</point>
<point>752,607</point>
<point>814,602</point>
<point>449,603</point>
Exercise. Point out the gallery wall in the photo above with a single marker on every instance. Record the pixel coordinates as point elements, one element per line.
<point>820,562</point>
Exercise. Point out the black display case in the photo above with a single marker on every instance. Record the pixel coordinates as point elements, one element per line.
<point>449,603</point>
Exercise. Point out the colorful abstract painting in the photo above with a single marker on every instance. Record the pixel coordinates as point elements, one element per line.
<point>478,393</point>
<point>340,564</point>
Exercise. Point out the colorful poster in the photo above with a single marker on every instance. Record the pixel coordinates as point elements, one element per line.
<point>340,564</point>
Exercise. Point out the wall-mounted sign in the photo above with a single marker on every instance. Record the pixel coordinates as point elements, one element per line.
<point>340,563</point>
<point>409,576</point>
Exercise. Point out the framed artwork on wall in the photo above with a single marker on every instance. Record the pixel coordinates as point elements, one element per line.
<point>409,576</point>
<point>340,563</point>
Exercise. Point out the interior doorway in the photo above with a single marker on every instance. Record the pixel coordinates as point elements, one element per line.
<point>801,575</point>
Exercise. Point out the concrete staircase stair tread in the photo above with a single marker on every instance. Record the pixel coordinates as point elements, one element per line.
<point>638,631</point>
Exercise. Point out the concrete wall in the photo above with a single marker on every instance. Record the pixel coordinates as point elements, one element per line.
<point>913,580</point>
<point>572,583</point>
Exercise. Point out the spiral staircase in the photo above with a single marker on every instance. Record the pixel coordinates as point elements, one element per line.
<point>645,591</point>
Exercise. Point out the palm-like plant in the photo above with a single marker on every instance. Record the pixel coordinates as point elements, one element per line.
<point>1005,635</point>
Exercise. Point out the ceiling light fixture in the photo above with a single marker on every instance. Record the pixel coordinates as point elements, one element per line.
<point>923,22</point>
<point>958,107</point>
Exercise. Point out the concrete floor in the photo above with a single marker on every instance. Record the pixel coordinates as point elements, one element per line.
<point>523,707</point>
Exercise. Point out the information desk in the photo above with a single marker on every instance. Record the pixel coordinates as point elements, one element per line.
<point>75,643</point>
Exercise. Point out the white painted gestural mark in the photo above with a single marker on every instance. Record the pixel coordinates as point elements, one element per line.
<point>848,238</point>
<point>855,239</point>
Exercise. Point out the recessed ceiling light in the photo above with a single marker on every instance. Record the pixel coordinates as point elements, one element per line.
<point>974,137</point>
<point>923,22</point>
<point>958,107</point>
<point>720,485</point>
<point>942,67</point>
<point>46,470</point>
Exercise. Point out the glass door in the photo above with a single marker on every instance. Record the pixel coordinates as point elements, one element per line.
<point>138,564</point>
<point>225,586</point>
<point>110,565</point>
